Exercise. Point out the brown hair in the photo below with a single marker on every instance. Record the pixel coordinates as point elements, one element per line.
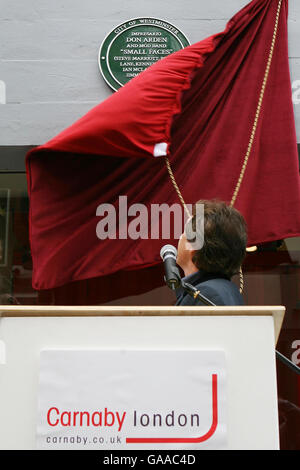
<point>225,238</point>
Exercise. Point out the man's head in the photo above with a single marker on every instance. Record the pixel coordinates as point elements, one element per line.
<point>225,241</point>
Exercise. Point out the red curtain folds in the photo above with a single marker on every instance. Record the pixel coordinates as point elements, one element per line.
<point>201,102</point>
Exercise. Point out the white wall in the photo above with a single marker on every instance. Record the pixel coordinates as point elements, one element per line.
<point>49,75</point>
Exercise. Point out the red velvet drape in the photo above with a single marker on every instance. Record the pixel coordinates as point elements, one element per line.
<point>200,101</point>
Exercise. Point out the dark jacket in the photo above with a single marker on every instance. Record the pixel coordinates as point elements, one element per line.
<point>217,288</point>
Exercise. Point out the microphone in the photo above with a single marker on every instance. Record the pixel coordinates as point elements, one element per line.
<point>168,254</point>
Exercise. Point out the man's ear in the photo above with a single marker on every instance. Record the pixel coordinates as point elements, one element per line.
<point>192,254</point>
<point>188,247</point>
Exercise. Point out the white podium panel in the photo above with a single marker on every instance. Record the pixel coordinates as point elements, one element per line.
<point>245,336</point>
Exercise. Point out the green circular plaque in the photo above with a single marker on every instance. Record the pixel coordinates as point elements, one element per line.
<point>135,45</point>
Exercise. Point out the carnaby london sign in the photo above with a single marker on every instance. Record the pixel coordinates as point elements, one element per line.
<point>134,45</point>
<point>138,399</point>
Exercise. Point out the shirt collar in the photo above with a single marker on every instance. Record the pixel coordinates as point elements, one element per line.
<point>197,277</point>
<point>201,276</point>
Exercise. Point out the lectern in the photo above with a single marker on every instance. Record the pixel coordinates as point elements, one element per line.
<point>139,377</point>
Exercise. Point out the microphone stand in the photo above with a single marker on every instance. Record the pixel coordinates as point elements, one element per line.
<point>196,294</point>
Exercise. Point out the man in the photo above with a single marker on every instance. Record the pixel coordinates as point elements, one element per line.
<point>211,268</point>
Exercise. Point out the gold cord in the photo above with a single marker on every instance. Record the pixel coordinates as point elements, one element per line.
<point>172,177</point>
<point>258,109</point>
<point>252,136</point>
<point>254,127</point>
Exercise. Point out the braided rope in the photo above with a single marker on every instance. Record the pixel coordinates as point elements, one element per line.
<point>254,127</point>
<point>252,136</point>
<point>172,177</point>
